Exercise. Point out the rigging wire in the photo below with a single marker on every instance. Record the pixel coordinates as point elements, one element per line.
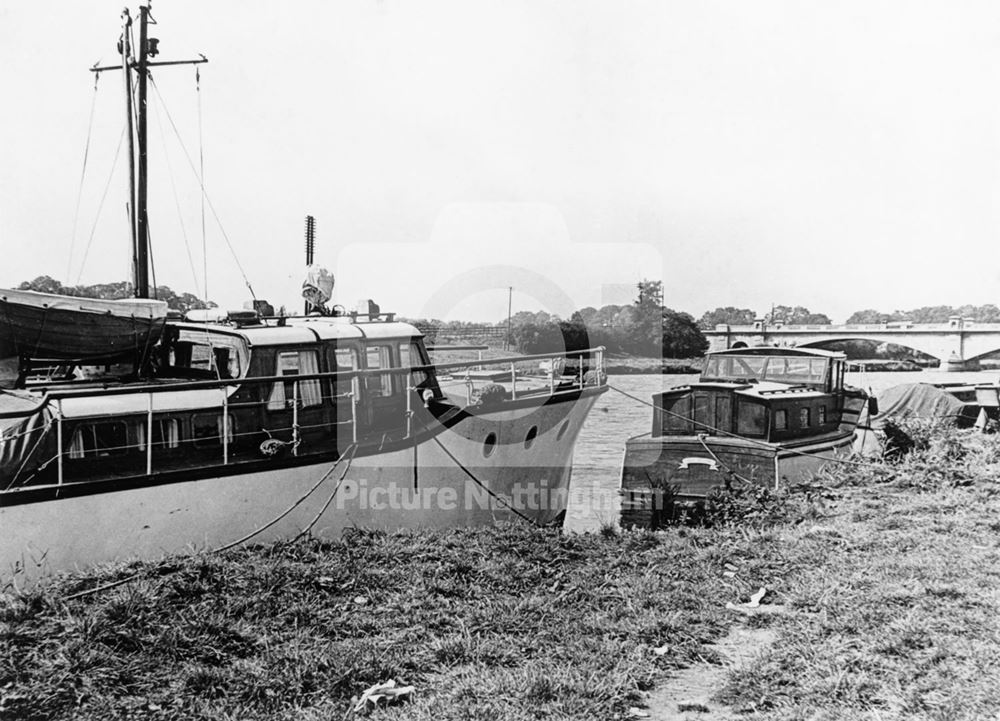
<point>177,204</point>
<point>100,207</point>
<point>204,192</point>
<point>83,174</point>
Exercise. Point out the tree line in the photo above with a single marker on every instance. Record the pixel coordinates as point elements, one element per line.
<point>644,327</point>
<point>115,291</point>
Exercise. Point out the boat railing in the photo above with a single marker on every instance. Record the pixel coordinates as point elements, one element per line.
<point>522,377</point>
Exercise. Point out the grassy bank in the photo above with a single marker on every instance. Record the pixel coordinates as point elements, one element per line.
<point>889,576</point>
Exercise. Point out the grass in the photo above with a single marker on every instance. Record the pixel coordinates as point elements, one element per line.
<point>889,573</point>
<point>505,623</point>
<point>895,607</point>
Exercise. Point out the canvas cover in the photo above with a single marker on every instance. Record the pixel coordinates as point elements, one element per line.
<point>922,400</point>
<point>24,421</point>
<point>317,288</point>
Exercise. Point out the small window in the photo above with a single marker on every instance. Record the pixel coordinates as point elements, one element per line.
<point>377,357</point>
<point>347,360</point>
<point>821,415</point>
<point>562,430</point>
<point>676,415</point>
<point>781,419</point>
<point>489,445</point>
<point>751,419</point>
<point>293,363</point>
<point>99,440</point>
<point>409,357</point>
<point>804,417</point>
<point>208,429</point>
<point>529,439</point>
<point>166,434</point>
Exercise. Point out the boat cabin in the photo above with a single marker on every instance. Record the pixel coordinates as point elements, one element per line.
<point>282,401</point>
<point>771,394</point>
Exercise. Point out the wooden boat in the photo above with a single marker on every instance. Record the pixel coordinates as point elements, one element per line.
<point>244,428</point>
<point>46,326</point>
<point>763,416</point>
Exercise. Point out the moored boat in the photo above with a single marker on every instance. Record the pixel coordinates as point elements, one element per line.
<point>763,416</point>
<point>229,428</point>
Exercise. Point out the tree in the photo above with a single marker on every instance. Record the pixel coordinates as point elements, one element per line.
<point>682,338</point>
<point>798,315</point>
<point>115,291</point>
<point>726,316</point>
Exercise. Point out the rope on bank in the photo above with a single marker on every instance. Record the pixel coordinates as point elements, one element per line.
<point>760,444</point>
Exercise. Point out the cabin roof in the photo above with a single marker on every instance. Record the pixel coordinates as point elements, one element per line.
<point>767,350</point>
<point>303,331</point>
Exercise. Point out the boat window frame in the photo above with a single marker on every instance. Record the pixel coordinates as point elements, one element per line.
<point>761,427</point>
<point>216,440</point>
<point>86,454</point>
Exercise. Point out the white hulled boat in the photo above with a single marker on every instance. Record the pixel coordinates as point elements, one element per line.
<point>248,428</point>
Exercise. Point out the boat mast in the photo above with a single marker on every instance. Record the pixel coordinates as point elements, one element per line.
<point>141,217</point>
<point>138,249</point>
<point>137,60</point>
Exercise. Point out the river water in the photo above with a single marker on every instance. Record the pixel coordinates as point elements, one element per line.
<point>615,418</point>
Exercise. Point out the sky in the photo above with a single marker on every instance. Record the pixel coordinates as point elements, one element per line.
<point>837,156</point>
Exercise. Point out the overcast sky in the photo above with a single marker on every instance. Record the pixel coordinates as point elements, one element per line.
<point>837,155</point>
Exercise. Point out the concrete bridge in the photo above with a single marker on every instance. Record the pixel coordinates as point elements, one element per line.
<point>958,344</point>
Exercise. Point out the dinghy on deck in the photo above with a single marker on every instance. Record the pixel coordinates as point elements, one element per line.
<point>48,327</point>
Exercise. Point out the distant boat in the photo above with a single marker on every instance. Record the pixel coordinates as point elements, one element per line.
<point>762,416</point>
<point>49,327</point>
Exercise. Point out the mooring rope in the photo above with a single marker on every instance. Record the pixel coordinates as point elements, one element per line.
<point>478,482</point>
<point>349,453</point>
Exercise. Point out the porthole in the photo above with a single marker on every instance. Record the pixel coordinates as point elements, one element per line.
<point>489,445</point>
<point>562,430</point>
<point>529,439</point>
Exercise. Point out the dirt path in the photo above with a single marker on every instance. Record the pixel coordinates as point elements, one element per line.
<point>688,696</point>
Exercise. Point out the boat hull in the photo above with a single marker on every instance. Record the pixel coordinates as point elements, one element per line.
<point>448,479</point>
<point>661,473</point>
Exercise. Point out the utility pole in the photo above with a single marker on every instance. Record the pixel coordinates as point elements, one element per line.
<point>510,299</point>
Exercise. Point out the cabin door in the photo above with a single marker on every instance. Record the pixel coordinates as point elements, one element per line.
<point>384,399</point>
<point>300,403</point>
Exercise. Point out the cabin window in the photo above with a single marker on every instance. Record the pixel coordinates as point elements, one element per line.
<point>409,356</point>
<point>215,356</point>
<point>376,357</point>
<point>207,430</point>
<point>99,440</point>
<point>346,360</point>
<point>677,414</point>
<point>751,419</point>
<point>804,417</point>
<point>821,414</point>
<point>781,419</point>
<point>166,434</point>
<point>293,363</point>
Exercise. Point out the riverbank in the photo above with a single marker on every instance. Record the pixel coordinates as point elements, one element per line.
<point>627,365</point>
<point>887,575</point>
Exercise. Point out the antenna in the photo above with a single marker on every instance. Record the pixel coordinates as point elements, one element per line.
<point>310,247</point>
<point>310,239</point>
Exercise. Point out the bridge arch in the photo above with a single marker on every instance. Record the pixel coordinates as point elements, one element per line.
<point>825,342</point>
